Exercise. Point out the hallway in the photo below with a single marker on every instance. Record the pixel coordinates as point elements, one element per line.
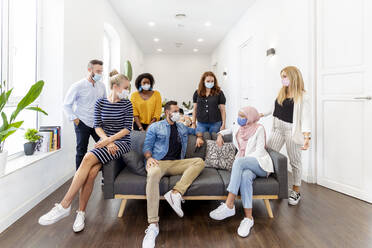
<point>213,57</point>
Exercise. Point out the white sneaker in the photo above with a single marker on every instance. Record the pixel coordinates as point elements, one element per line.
<point>222,212</point>
<point>245,227</point>
<point>294,198</point>
<point>174,200</point>
<point>57,213</point>
<point>79,223</point>
<point>151,233</point>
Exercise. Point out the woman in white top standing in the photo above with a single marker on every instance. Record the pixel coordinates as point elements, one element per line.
<point>252,160</point>
<point>292,124</point>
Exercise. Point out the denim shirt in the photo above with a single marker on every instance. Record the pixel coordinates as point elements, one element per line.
<point>157,139</point>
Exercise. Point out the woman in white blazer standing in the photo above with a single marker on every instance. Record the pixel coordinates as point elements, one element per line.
<point>292,124</point>
<point>252,160</point>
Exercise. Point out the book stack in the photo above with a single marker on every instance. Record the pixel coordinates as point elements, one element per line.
<point>51,138</point>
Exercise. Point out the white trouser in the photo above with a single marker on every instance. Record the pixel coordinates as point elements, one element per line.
<point>282,133</point>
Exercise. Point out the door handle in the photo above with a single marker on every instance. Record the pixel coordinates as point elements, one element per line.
<point>363,98</point>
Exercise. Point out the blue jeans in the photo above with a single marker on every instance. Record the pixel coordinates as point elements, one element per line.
<point>211,127</point>
<point>243,173</point>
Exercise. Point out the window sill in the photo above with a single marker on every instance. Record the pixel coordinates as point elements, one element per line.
<point>18,163</point>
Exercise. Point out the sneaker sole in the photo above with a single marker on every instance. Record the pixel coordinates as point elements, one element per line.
<point>244,236</point>
<point>293,203</point>
<point>78,229</point>
<point>47,223</point>
<point>213,218</point>
<point>166,196</point>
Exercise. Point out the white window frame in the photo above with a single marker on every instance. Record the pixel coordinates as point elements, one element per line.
<point>6,66</point>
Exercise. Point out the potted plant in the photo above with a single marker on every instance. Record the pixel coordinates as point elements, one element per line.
<point>10,125</point>
<point>32,137</point>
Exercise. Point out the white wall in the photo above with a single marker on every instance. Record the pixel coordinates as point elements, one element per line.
<point>71,34</point>
<point>284,25</point>
<point>177,76</point>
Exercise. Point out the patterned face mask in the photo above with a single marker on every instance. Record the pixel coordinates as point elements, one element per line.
<point>175,116</point>
<point>123,95</point>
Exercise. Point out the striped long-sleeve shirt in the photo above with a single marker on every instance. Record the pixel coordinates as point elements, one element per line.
<point>113,117</point>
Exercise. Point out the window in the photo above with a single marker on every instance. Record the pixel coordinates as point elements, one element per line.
<point>19,60</point>
<point>111,50</point>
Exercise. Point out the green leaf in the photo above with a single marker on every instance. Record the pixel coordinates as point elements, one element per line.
<point>5,122</point>
<point>37,109</point>
<point>31,135</point>
<point>29,98</point>
<point>10,130</point>
<point>128,70</point>
<point>4,98</point>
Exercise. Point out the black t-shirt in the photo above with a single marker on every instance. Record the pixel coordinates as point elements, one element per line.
<point>175,146</point>
<point>208,110</point>
<point>284,112</point>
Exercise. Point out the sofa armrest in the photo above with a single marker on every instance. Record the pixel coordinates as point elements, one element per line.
<point>280,172</point>
<point>110,171</point>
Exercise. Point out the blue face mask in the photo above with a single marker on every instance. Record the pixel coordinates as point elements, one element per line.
<point>209,85</point>
<point>242,121</point>
<point>97,77</point>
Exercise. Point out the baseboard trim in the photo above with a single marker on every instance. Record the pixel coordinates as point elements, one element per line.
<point>28,205</point>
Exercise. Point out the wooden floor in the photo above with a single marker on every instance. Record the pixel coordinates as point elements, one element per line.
<point>324,218</point>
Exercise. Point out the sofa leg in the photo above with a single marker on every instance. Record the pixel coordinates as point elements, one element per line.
<point>122,207</point>
<point>268,208</point>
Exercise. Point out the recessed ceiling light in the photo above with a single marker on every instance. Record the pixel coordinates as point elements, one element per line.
<point>195,50</point>
<point>156,39</point>
<point>180,16</point>
<point>208,24</point>
<point>178,44</point>
<point>159,50</point>
<point>200,40</point>
<point>151,24</point>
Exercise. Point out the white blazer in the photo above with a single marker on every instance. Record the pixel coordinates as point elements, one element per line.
<point>255,147</point>
<point>301,119</point>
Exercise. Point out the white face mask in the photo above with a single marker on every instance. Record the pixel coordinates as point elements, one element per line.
<point>146,87</point>
<point>175,116</point>
<point>123,95</point>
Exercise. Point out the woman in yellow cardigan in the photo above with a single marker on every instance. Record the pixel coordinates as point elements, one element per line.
<point>146,102</point>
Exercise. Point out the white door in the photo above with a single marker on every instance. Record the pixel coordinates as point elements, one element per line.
<point>248,73</point>
<point>344,90</point>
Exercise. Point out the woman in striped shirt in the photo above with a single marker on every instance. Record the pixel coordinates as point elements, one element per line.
<point>113,122</point>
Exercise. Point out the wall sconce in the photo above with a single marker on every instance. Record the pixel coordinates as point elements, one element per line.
<point>270,52</point>
<point>225,72</point>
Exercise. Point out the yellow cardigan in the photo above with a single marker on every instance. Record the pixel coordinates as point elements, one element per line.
<point>148,109</point>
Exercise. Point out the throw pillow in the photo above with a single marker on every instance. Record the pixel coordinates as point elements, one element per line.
<point>135,163</point>
<point>220,157</point>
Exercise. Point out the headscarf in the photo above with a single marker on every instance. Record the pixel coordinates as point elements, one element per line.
<point>248,130</point>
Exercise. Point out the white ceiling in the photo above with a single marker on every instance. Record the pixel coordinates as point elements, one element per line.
<point>222,15</point>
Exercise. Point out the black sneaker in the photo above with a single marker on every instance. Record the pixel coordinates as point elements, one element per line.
<point>294,198</point>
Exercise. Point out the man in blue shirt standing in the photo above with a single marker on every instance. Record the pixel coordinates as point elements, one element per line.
<point>79,106</point>
<point>165,149</point>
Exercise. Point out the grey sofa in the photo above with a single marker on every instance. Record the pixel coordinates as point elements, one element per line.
<point>123,182</point>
